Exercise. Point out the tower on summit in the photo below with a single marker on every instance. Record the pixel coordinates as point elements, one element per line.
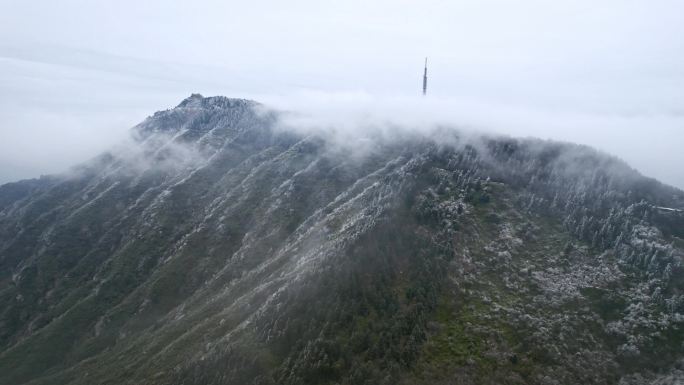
<point>425,78</point>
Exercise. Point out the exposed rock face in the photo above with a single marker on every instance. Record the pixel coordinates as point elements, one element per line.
<point>217,248</point>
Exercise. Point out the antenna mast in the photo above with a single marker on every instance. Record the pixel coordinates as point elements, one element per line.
<point>425,78</point>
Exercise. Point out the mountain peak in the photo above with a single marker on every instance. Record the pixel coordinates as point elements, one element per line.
<point>196,100</point>
<point>192,100</point>
<point>200,114</point>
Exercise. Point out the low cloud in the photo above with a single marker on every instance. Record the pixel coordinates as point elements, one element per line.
<point>650,143</point>
<point>43,141</point>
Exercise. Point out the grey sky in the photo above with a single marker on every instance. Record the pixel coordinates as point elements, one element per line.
<point>75,75</point>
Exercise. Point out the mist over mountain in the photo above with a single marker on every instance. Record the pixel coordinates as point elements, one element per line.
<point>75,76</point>
<point>230,243</point>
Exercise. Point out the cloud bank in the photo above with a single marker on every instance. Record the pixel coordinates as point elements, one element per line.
<point>651,143</point>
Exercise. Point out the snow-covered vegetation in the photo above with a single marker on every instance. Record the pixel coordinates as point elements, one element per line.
<point>220,247</point>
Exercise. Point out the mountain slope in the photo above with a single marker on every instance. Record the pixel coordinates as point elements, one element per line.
<point>220,248</point>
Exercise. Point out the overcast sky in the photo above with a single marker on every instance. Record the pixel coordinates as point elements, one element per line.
<point>75,75</point>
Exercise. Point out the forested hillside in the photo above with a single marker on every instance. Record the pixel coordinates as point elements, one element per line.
<point>220,246</point>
